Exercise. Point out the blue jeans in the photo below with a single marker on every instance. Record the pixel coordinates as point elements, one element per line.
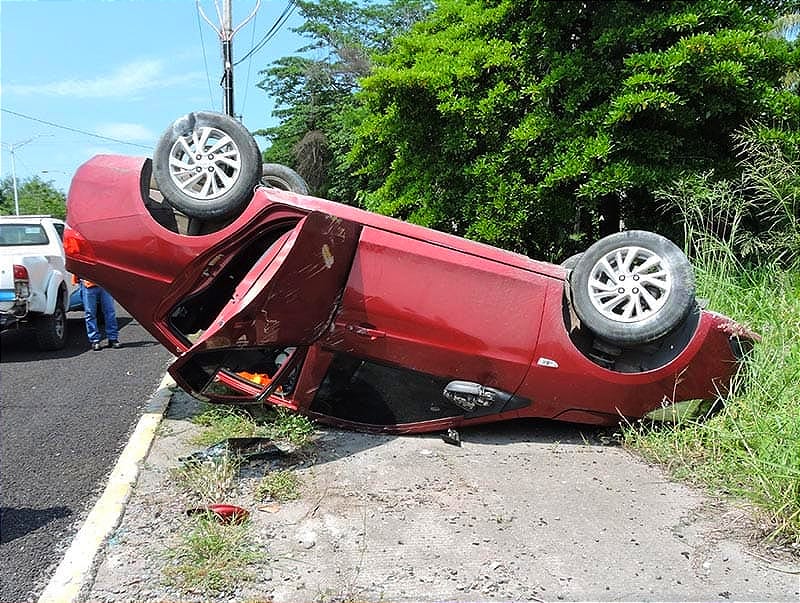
<point>91,297</point>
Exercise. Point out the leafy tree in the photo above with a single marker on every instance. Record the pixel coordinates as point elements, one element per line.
<point>314,91</point>
<point>35,195</point>
<point>538,126</point>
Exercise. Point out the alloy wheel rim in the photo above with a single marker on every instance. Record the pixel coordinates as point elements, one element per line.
<point>629,284</point>
<point>205,164</point>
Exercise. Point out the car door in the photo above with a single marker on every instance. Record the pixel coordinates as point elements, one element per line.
<point>421,326</point>
<point>282,305</point>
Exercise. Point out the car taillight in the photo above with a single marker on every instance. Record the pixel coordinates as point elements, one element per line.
<point>21,282</point>
<point>20,273</point>
<point>77,247</point>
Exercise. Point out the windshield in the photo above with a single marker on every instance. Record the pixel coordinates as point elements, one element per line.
<point>12,235</point>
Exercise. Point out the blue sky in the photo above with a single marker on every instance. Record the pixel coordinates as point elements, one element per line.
<point>122,69</point>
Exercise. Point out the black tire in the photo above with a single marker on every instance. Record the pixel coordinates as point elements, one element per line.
<point>285,178</point>
<point>207,186</point>
<point>571,261</point>
<point>51,331</point>
<point>632,288</point>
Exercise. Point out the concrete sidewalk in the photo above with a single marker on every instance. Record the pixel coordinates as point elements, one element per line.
<point>523,511</point>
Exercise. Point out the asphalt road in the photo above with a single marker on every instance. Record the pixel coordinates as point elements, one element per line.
<point>65,416</point>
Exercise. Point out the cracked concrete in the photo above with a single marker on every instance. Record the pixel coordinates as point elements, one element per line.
<point>522,511</point>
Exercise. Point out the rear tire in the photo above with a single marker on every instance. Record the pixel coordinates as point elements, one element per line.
<point>51,331</point>
<point>285,178</point>
<point>571,261</point>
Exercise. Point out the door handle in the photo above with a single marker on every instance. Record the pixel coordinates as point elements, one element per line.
<point>366,331</point>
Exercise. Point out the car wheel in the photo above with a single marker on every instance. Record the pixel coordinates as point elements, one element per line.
<point>207,165</point>
<point>571,261</point>
<point>285,178</point>
<point>51,331</point>
<point>632,287</point>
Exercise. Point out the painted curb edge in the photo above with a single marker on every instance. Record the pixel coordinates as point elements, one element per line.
<point>76,567</point>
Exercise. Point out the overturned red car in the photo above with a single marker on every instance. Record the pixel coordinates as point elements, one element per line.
<point>363,321</point>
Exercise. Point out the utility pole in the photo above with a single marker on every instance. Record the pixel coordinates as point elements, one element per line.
<point>227,58</point>
<point>226,31</point>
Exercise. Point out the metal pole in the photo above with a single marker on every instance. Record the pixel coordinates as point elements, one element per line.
<point>226,33</point>
<point>227,57</point>
<point>14,182</point>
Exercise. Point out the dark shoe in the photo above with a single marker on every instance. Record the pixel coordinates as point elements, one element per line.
<point>113,343</point>
<point>96,346</point>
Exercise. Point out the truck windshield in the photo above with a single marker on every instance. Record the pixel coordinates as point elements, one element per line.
<point>22,234</point>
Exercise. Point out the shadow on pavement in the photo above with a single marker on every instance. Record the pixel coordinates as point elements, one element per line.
<point>19,522</point>
<point>20,345</point>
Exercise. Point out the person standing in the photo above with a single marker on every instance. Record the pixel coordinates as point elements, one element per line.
<point>95,297</point>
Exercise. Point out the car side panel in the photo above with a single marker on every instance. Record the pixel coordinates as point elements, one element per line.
<point>563,383</point>
<point>439,311</point>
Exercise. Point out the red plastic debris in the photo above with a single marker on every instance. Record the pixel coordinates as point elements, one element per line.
<point>221,512</point>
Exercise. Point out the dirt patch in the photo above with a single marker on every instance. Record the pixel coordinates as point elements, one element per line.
<point>521,511</point>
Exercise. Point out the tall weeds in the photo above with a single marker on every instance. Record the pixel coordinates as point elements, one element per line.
<point>744,241</point>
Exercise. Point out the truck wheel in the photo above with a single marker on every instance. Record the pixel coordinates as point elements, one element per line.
<point>51,331</point>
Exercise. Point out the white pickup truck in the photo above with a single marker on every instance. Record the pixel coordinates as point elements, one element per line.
<point>35,286</point>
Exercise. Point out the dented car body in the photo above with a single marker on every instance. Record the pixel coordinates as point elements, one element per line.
<point>364,321</point>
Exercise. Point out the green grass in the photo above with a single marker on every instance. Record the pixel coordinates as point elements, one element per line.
<point>208,481</point>
<point>292,427</point>
<point>222,422</point>
<point>751,449</point>
<point>743,237</point>
<point>280,485</point>
<point>212,558</point>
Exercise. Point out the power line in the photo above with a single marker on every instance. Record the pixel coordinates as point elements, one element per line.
<point>279,22</point>
<point>205,60</point>
<point>249,63</point>
<point>84,132</point>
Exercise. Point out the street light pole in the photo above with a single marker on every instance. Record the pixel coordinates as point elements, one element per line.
<point>12,149</point>
<point>14,181</point>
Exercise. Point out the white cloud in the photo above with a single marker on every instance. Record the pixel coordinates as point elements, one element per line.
<point>128,80</point>
<point>126,131</point>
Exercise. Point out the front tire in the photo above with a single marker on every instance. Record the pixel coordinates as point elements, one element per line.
<point>632,287</point>
<point>207,165</point>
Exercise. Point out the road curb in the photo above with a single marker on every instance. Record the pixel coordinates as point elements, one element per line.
<point>75,568</point>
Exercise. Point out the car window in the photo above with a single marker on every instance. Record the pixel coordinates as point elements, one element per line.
<point>359,390</point>
<point>22,234</point>
<point>59,229</point>
<point>244,373</point>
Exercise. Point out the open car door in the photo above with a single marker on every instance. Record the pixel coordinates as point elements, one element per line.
<point>284,303</point>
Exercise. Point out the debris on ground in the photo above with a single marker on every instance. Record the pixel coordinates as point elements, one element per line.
<point>247,449</point>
